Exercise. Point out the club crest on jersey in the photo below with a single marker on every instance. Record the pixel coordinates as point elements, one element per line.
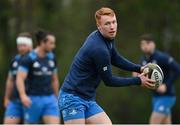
<point>15,64</point>
<point>51,63</point>
<point>36,65</point>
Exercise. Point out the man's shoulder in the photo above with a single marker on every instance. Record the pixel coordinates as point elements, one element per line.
<point>15,60</point>
<point>50,55</point>
<point>142,58</point>
<point>94,41</point>
<point>29,57</point>
<point>162,55</point>
<point>94,36</point>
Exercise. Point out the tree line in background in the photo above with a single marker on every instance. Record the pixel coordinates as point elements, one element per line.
<point>72,20</point>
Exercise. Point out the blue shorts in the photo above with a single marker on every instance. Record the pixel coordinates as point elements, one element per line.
<point>41,106</point>
<point>163,104</point>
<point>74,107</point>
<point>14,109</point>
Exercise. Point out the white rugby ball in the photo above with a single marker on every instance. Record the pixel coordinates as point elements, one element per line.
<point>155,73</point>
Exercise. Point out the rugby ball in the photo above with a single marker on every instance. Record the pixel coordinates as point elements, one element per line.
<point>155,73</point>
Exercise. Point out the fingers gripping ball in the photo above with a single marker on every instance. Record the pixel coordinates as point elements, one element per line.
<point>155,73</point>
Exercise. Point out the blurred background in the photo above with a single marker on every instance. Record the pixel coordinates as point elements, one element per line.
<point>72,20</point>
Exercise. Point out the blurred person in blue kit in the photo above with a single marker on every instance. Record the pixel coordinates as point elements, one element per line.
<point>38,71</point>
<point>164,97</point>
<point>12,103</point>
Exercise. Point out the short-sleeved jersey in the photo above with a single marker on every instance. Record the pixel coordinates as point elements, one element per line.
<point>40,71</point>
<point>169,66</point>
<point>13,71</point>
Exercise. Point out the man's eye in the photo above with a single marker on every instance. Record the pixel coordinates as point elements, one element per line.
<point>114,22</point>
<point>107,23</point>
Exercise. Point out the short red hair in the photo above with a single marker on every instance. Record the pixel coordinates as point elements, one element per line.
<point>103,11</point>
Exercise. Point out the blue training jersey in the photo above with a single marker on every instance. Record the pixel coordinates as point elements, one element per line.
<point>13,71</point>
<point>170,68</point>
<point>40,71</point>
<point>92,64</point>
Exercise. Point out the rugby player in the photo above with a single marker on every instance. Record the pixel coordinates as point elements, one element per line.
<point>164,97</point>
<point>12,103</point>
<point>91,64</point>
<point>38,71</point>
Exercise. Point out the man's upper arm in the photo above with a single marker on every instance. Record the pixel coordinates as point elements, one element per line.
<point>170,62</point>
<point>103,65</point>
<point>55,70</point>
<point>24,65</point>
<point>174,68</point>
<point>22,75</point>
<point>123,63</point>
<point>102,62</point>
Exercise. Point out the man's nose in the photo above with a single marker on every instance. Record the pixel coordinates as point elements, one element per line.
<point>112,26</point>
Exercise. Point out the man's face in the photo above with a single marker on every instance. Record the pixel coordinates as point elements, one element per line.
<point>50,44</point>
<point>108,26</point>
<point>147,46</point>
<point>24,48</point>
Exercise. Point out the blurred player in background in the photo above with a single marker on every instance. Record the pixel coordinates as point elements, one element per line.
<point>92,64</point>
<point>14,109</point>
<point>38,71</point>
<point>164,97</point>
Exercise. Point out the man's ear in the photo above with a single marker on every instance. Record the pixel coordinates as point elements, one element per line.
<point>98,26</point>
<point>154,45</point>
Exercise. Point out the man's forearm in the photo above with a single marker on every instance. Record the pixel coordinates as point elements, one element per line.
<point>116,81</point>
<point>55,83</point>
<point>55,86</point>
<point>20,86</point>
<point>9,88</point>
<point>121,62</point>
<point>121,82</point>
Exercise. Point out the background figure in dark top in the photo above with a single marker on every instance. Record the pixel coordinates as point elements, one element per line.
<point>164,97</point>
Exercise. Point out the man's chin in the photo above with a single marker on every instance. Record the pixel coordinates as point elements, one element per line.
<point>47,51</point>
<point>112,37</point>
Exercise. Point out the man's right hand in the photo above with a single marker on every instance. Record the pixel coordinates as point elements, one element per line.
<point>26,101</point>
<point>146,82</point>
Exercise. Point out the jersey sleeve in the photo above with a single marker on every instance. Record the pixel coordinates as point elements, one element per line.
<point>102,62</point>
<point>25,64</point>
<point>121,62</point>
<point>55,69</point>
<point>10,71</point>
<point>52,61</point>
<point>141,60</point>
<point>174,69</point>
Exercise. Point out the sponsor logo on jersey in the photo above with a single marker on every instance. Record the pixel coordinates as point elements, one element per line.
<point>36,65</point>
<point>51,63</point>
<point>15,64</point>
